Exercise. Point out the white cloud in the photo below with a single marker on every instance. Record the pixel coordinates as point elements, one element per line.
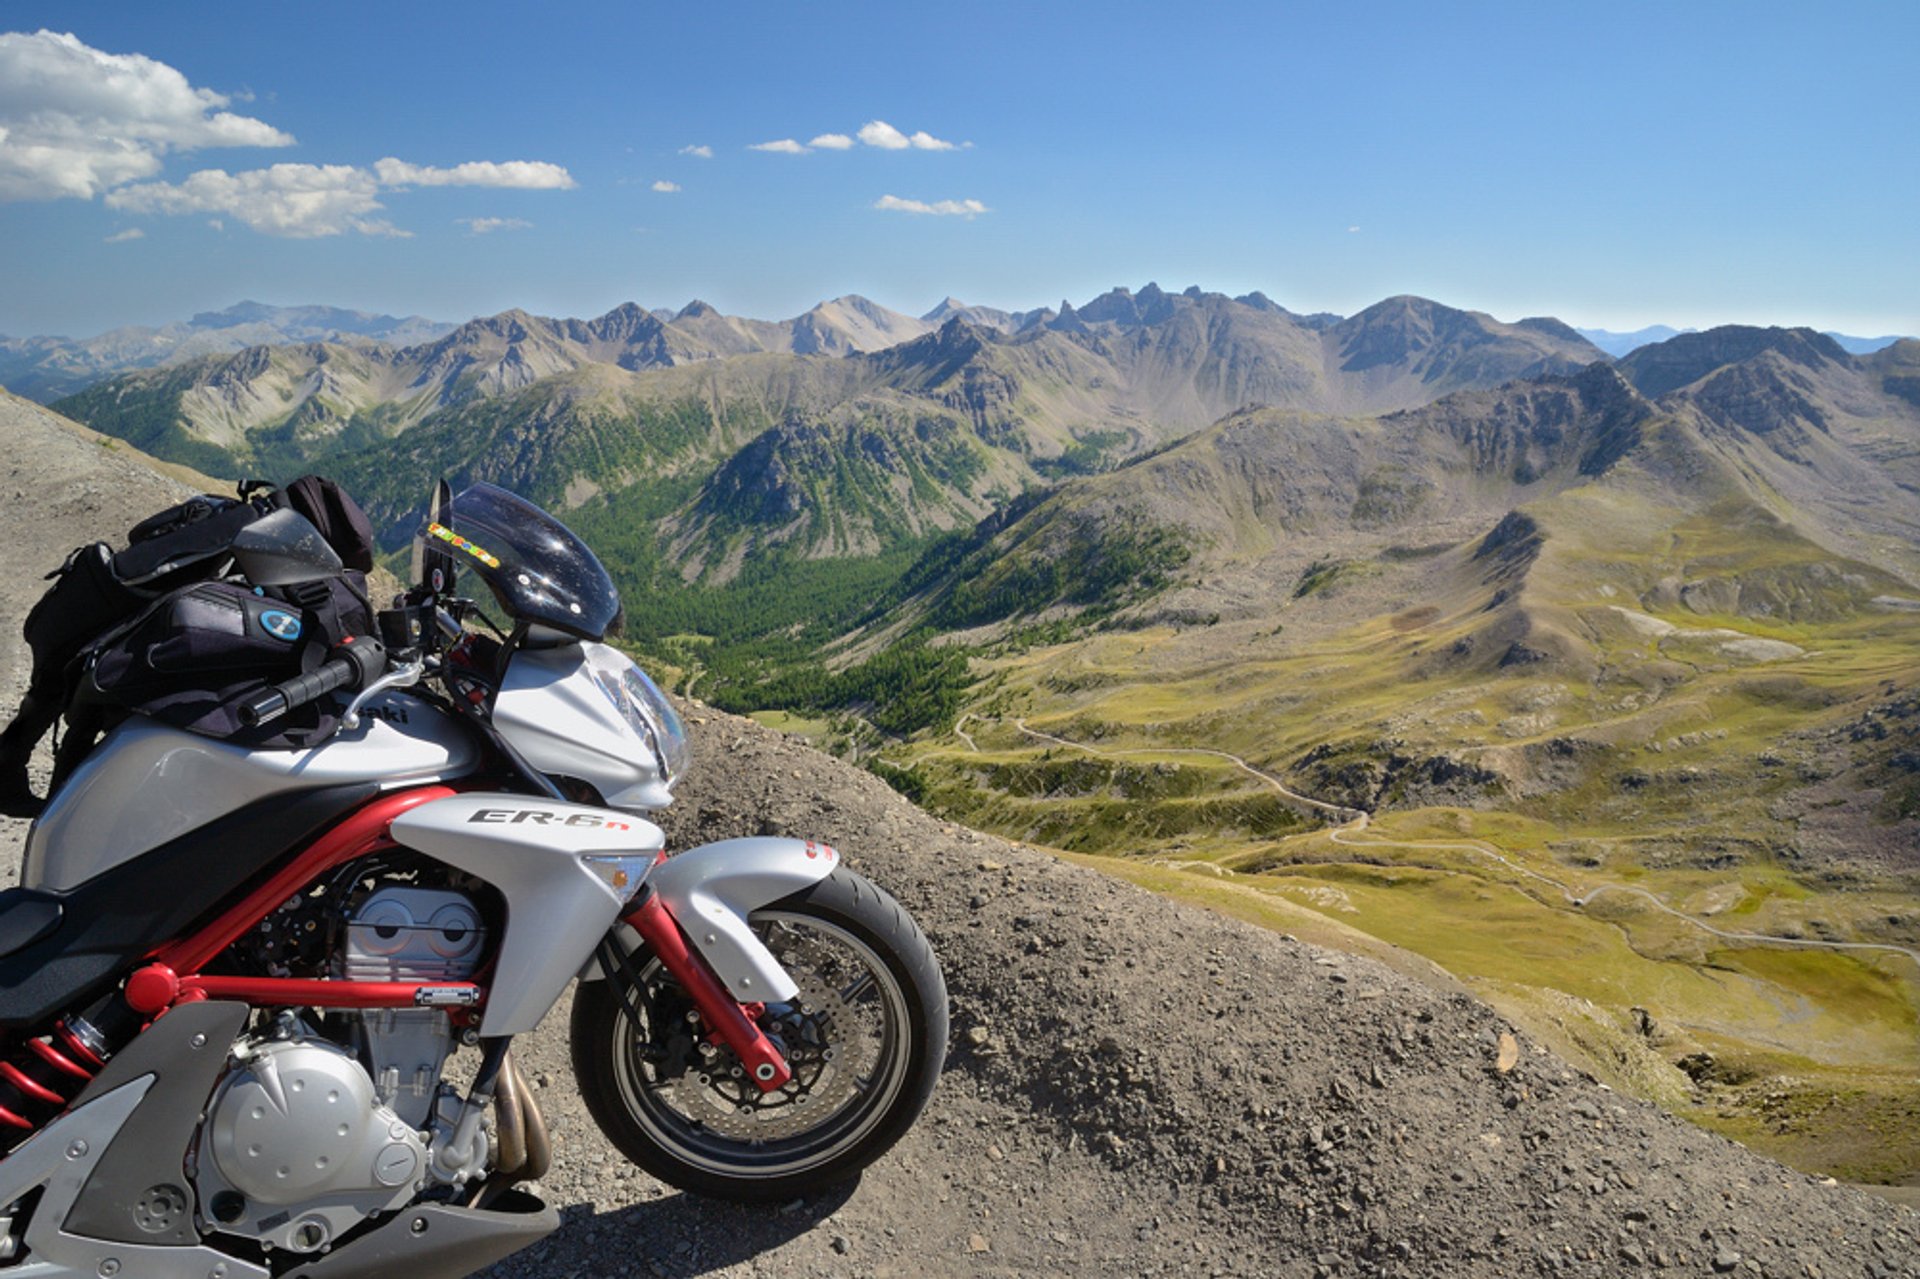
<point>306,201</point>
<point>878,133</point>
<point>875,133</point>
<point>1352,229</point>
<point>75,121</point>
<point>665,187</point>
<point>78,122</point>
<point>702,151</point>
<point>485,226</point>
<point>121,237</point>
<point>300,201</point>
<point>523,175</point>
<point>939,208</point>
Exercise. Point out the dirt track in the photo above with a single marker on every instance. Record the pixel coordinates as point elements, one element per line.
<point>1136,1086</point>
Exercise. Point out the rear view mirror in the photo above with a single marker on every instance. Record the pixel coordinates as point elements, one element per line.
<point>284,549</point>
<point>433,566</point>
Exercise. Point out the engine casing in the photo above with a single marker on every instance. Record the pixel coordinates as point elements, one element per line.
<point>297,1148</point>
<point>414,934</point>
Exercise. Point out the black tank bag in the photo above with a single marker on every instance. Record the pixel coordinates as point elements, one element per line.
<point>150,629</point>
<point>194,656</point>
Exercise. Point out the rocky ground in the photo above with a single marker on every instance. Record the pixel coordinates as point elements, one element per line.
<point>1136,1087</point>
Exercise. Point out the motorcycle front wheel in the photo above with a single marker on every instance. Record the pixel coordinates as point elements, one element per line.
<point>865,1037</point>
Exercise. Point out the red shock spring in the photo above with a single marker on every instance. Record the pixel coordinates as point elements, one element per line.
<point>37,1080</point>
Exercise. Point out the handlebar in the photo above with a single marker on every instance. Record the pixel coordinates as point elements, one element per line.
<point>358,662</point>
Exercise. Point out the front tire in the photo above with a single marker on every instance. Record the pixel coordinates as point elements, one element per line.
<point>865,1037</point>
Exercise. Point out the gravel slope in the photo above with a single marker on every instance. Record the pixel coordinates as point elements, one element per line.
<point>1136,1087</point>
<point>59,487</point>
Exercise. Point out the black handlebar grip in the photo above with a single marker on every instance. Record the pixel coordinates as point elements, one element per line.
<point>298,691</point>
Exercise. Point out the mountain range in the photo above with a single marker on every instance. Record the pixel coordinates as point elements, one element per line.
<point>1775,429</point>
<point>985,411</point>
<point>852,432</point>
<point>48,368</point>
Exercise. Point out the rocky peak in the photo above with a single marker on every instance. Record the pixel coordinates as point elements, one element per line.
<point>1154,305</point>
<point>1394,331</point>
<point>695,310</point>
<point>242,367</point>
<point>934,356</point>
<point>1680,361</point>
<point>1766,393</point>
<point>1068,320</point>
<point>1125,309</point>
<point>1115,306</point>
<point>513,326</point>
<point>858,305</point>
<point>1557,329</point>
<point>956,331</point>
<point>623,322</point>
<point>1602,384</point>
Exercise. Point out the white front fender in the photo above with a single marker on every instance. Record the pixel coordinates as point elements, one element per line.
<point>709,890</point>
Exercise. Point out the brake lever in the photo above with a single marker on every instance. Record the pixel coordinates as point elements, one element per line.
<point>399,677</point>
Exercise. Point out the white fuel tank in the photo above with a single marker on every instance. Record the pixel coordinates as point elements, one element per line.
<point>146,783</point>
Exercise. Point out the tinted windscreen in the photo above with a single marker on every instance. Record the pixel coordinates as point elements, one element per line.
<point>538,570</point>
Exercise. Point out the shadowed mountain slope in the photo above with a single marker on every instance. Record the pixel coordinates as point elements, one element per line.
<point>1266,483</point>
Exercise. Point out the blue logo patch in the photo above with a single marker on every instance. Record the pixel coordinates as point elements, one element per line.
<point>282,626</point>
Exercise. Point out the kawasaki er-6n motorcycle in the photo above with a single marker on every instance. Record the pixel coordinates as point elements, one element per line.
<point>238,982</point>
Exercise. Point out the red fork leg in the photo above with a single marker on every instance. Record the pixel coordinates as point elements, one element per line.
<point>657,927</point>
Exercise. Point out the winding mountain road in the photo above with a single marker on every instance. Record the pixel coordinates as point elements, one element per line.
<point>1354,821</point>
<point>962,733</point>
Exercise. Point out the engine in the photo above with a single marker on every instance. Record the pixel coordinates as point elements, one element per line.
<point>307,1136</point>
<point>418,935</point>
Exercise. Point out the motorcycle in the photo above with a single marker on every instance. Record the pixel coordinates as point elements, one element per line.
<point>238,986</point>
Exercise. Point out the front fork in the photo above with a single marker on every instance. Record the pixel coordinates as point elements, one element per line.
<point>719,1010</point>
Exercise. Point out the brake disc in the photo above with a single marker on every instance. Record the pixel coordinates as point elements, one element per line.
<point>716,1092</point>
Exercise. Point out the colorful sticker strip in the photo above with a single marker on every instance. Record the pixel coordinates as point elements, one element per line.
<point>454,540</point>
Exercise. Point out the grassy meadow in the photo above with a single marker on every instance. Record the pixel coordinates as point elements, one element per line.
<point>1670,755</point>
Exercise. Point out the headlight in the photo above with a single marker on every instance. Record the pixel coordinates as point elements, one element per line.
<point>645,708</point>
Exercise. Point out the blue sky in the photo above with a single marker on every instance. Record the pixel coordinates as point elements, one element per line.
<point>1613,165</point>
